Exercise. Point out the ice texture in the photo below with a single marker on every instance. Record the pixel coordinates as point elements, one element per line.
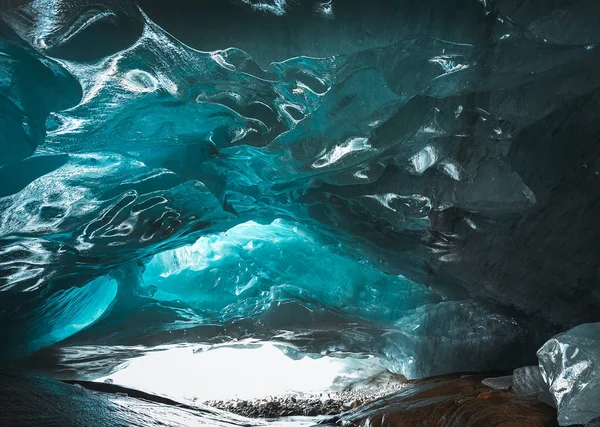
<point>31,86</point>
<point>364,177</point>
<point>570,364</point>
<point>243,271</point>
<point>499,383</point>
<point>457,336</point>
<point>528,381</point>
<point>35,400</point>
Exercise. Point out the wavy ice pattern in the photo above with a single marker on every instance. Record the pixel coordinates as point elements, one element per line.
<point>375,201</point>
<point>247,268</point>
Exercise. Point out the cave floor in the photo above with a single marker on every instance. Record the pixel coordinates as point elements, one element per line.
<point>456,400</point>
<point>333,403</point>
<point>449,400</point>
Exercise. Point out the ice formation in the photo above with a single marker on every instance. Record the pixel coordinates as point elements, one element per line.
<point>416,181</point>
<point>57,403</point>
<point>569,363</point>
<point>528,381</point>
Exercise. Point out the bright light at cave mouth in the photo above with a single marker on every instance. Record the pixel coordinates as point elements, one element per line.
<point>224,372</point>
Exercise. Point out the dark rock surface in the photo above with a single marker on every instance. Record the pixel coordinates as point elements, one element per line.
<point>594,423</point>
<point>446,401</point>
<point>450,401</point>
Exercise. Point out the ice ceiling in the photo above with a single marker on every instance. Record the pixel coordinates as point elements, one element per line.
<point>413,180</point>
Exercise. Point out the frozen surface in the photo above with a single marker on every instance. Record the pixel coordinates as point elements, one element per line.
<point>528,381</point>
<point>243,271</point>
<point>453,337</point>
<point>413,180</point>
<point>499,383</point>
<point>31,400</point>
<point>570,364</point>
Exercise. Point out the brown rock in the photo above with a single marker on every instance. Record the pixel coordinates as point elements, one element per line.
<point>452,401</point>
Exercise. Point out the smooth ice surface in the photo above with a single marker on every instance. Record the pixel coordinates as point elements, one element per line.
<point>528,381</point>
<point>62,315</point>
<point>499,383</point>
<point>412,180</point>
<point>453,337</point>
<point>28,399</point>
<point>570,365</point>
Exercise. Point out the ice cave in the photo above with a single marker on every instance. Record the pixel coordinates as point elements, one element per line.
<point>359,213</point>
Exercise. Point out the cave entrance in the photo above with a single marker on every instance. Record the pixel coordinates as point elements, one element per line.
<point>239,375</point>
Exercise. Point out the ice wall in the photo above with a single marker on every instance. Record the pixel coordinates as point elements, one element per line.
<point>432,151</point>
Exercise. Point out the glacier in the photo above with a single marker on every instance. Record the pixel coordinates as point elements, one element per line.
<point>414,182</point>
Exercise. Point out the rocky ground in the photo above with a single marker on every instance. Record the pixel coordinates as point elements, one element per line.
<point>468,400</point>
<point>451,400</point>
<point>305,404</point>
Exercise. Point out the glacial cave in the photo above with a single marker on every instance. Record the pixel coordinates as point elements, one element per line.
<point>300,212</point>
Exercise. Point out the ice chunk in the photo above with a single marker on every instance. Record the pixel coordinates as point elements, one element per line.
<point>570,364</point>
<point>528,381</point>
<point>499,383</point>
